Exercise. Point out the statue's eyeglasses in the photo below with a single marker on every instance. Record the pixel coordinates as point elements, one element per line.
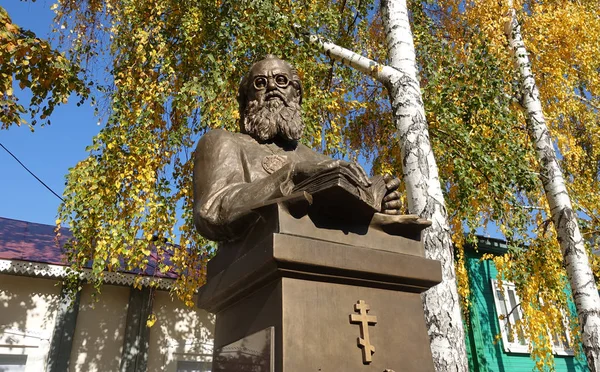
<point>261,82</point>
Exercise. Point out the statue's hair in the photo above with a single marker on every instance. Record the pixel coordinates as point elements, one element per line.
<point>242,96</point>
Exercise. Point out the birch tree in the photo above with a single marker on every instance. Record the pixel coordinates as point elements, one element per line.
<point>581,278</point>
<point>420,174</point>
<point>559,36</point>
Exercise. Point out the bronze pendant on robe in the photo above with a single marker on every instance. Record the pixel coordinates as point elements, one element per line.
<point>272,163</point>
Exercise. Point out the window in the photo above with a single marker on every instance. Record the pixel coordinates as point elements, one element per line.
<point>12,363</point>
<point>508,308</point>
<point>187,362</point>
<point>188,356</point>
<point>23,349</point>
<point>193,366</point>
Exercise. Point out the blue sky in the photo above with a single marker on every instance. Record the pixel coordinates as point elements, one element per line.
<point>48,152</point>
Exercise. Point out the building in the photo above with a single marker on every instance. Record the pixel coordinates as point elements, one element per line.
<point>510,353</point>
<point>39,331</point>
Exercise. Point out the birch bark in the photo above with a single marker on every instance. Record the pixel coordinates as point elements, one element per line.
<point>425,198</point>
<point>420,174</point>
<point>576,260</point>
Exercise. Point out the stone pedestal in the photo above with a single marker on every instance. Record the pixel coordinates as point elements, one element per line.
<point>300,295</point>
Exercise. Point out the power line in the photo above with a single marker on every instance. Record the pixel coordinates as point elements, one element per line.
<point>30,172</point>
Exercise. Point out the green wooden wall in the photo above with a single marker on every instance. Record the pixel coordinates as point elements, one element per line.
<point>486,354</point>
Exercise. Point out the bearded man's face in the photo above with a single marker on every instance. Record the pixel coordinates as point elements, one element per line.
<point>273,107</point>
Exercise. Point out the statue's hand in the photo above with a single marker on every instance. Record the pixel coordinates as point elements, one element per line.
<point>391,201</point>
<point>306,169</point>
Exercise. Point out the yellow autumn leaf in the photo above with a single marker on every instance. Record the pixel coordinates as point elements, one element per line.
<point>151,320</point>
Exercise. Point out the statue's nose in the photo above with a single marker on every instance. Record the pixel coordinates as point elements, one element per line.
<point>271,84</point>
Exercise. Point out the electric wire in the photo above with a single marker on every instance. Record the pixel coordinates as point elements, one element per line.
<point>30,172</point>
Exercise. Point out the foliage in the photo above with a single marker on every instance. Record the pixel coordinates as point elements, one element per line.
<point>173,71</point>
<point>33,64</point>
<point>566,71</point>
<point>483,151</point>
<point>481,147</point>
<point>539,276</point>
<point>175,68</point>
<point>480,144</point>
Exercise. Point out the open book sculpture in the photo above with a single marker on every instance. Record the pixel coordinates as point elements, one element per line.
<point>338,189</point>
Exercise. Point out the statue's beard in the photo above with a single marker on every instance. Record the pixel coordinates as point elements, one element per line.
<point>264,120</point>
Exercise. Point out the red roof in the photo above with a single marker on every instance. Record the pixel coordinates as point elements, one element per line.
<point>34,242</point>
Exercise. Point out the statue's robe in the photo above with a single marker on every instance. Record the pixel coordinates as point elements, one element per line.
<point>232,173</point>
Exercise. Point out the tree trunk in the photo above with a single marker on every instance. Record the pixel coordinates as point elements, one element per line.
<point>564,218</point>
<point>424,192</point>
<point>420,174</point>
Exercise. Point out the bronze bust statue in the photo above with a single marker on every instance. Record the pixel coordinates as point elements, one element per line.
<point>235,171</point>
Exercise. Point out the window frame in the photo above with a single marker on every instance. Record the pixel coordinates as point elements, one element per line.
<point>5,354</point>
<point>186,351</point>
<point>188,357</point>
<point>515,346</point>
<point>35,345</point>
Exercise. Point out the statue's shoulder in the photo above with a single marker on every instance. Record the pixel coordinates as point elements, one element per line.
<point>307,152</point>
<point>219,136</point>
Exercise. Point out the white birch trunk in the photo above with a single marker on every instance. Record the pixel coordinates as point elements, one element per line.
<point>425,198</point>
<point>564,218</point>
<point>420,174</point>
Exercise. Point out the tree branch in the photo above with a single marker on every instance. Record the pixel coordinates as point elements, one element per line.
<point>513,309</point>
<point>377,71</point>
<point>586,101</point>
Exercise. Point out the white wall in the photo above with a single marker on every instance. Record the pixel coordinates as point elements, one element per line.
<point>100,328</point>
<point>27,313</point>
<point>28,308</point>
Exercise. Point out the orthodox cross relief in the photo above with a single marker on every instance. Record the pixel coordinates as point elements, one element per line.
<point>364,320</point>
